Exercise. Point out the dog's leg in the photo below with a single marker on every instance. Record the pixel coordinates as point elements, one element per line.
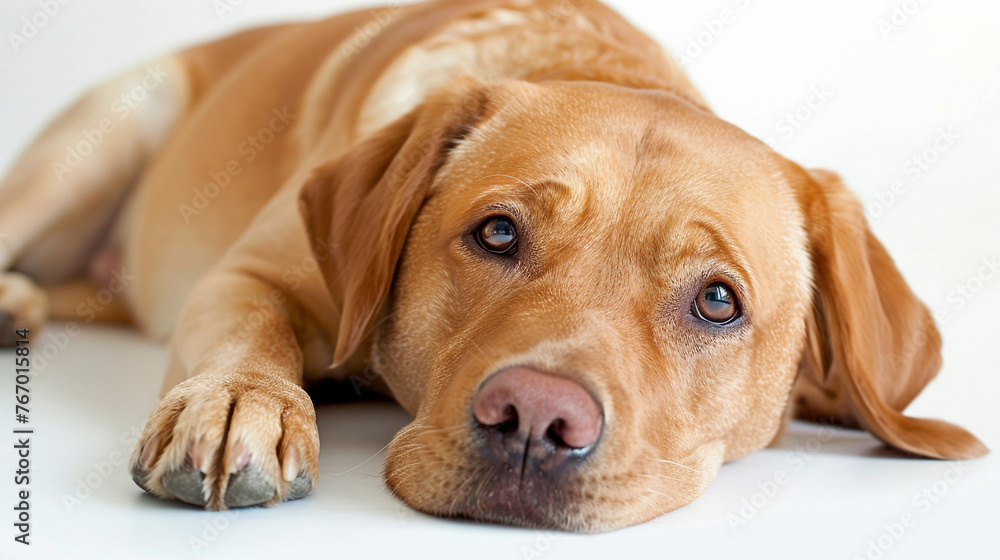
<point>59,202</point>
<point>86,301</point>
<point>238,429</point>
<point>80,167</point>
<point>23,305</point>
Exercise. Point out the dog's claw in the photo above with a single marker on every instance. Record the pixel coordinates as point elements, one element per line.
<point>185,484</point>
<point>300,487</point>
<point>139,477</point>
<point>249,487</point>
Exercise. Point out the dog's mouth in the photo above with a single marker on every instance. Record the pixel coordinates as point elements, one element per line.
<point>497,478</point>
<point>523,480</point>
<point>530,498</point>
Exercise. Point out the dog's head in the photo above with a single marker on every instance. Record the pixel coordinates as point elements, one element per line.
<point>590,297</point>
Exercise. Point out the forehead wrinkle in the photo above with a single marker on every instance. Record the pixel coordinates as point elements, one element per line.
<point>685,190</point>
<point>543,198</point>
<point>527,195</point>
<point>720,244</point>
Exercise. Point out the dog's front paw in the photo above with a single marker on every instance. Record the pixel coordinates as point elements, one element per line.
<point>233,440</point>
<point>23,305</point>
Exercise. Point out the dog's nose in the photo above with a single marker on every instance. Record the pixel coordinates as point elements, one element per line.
<point>538,413</point>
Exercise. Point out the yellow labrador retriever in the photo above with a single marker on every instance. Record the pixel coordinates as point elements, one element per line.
<point>589,291</point>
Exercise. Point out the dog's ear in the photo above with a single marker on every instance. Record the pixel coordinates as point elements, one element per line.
<point>871,345</point>
<point>358,207</point>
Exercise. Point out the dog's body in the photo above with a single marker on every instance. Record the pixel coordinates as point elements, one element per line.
<point>397,135</point>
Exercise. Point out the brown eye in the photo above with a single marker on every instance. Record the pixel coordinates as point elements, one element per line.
<point>498,235</point>
<point>717,304</point>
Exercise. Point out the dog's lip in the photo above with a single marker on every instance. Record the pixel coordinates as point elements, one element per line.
<point>497,494</point>
<point>533,500</point>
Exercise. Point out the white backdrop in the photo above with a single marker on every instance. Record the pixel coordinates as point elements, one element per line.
<point>899,96</point>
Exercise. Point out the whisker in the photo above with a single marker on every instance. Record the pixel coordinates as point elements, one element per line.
<point>662,476</point>
<point>646,501</point>
<point>679,465</point>
<point>657,493</point>
<point>362,462</point>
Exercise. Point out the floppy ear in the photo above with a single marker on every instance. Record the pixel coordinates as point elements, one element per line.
<point>871,345</point>
<point>358,208</point>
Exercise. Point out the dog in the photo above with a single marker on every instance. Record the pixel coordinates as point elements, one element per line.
<point>588,290</point>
